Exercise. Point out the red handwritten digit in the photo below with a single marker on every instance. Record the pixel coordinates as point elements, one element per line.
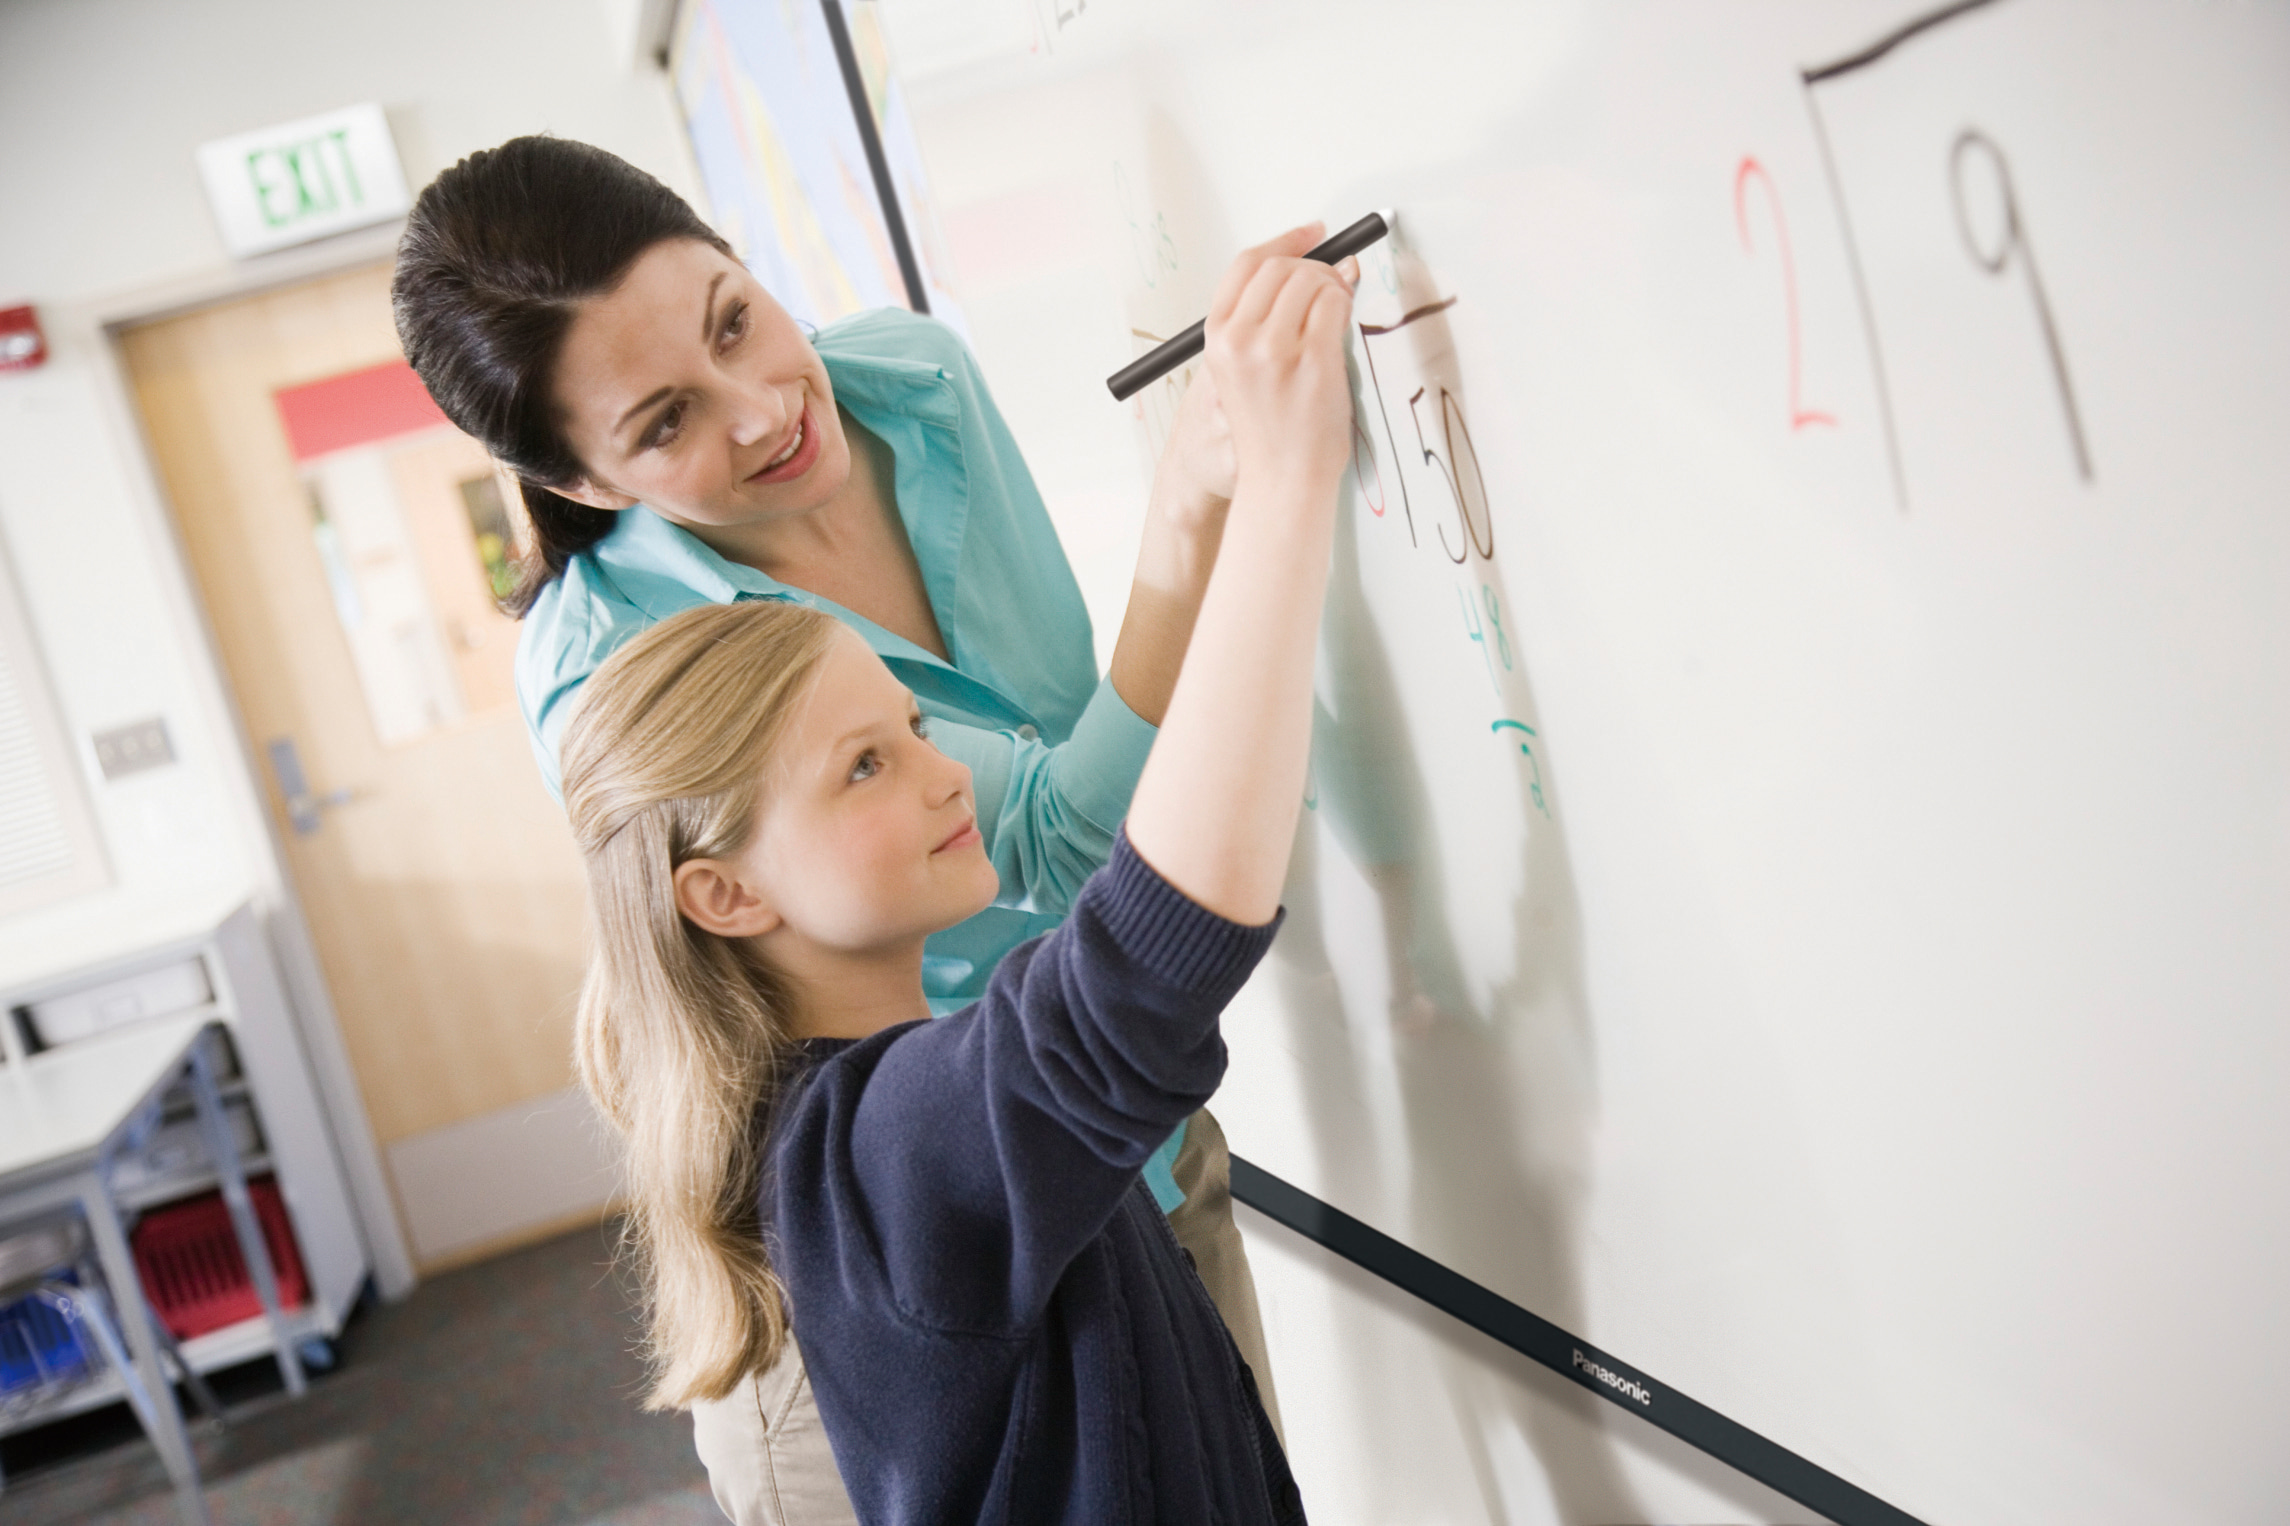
<point>1799,414</point>
<point>1364,468</point>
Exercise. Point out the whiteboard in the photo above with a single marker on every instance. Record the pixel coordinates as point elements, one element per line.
<point>1796,884</point>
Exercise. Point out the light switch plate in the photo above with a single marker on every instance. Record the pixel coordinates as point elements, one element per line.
<point>134,747</point>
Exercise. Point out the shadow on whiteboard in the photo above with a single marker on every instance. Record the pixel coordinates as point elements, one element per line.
<point>1451,1054</point>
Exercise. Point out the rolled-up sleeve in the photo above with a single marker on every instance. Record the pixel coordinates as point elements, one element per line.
<point>1050,814</point>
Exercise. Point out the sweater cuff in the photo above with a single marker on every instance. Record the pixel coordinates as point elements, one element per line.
<point>1184,943</point>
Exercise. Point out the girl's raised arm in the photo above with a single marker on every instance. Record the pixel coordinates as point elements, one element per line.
<point>1215,810</point>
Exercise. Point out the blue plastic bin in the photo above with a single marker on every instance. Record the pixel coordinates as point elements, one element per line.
<point>38,1345</point>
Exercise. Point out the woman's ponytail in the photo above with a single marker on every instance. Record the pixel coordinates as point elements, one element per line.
<point>498,256</point>
<point>562,530</point>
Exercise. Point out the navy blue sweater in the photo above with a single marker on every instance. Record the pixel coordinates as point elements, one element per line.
<point>998,1324</point>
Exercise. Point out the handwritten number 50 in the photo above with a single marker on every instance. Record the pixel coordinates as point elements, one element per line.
<point>1450,419</point>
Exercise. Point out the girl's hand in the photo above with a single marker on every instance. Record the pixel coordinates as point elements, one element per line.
<point>1276,354</point>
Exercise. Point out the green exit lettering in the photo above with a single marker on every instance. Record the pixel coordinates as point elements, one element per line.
<point>293,181</point>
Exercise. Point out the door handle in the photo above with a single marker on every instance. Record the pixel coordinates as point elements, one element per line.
<point>304,808</point>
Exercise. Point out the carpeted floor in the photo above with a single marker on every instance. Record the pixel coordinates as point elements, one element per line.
<point>502,1393</point>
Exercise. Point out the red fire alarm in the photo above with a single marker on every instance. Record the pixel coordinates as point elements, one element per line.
<point>22,345</point>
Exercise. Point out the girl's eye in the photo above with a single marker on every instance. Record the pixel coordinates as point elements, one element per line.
<point>867,767</point>
<point>665,427</point>
<point>735,323</point>
<point>921,726</point>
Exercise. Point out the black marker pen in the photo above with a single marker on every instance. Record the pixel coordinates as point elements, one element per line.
<point>1166,357</point>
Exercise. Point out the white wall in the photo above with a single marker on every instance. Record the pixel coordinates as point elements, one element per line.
<point>105,103</point>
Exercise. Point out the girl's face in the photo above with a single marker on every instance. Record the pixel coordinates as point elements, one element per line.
<point>689,389</point>
<point>868,840</point>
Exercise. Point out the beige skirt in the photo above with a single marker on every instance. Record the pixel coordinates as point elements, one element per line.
<point>766,1453</point>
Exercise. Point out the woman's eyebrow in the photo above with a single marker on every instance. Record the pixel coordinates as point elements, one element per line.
<point>708,310</point>
<point>657,397</point>
<point>707,327</point>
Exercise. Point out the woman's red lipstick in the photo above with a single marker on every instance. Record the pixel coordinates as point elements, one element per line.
<point>806,453</point>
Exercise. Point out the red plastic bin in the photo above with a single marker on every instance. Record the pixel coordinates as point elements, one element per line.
<point>193,1274</point>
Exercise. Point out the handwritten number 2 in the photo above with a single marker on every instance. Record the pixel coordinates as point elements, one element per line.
<point>1406,504</point>
<point>1364,468</point>
<point>1799,414</point>
<point>1535,780</point>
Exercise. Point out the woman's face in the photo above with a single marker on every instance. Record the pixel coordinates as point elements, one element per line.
<point>689,389</point>
<point>869,837</point>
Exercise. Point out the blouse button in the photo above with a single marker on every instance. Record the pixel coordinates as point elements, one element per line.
<point>1027,733</point>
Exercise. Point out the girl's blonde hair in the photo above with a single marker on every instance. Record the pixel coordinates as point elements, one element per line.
<point>682,1033</point>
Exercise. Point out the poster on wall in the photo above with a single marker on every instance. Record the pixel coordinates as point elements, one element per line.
<point>417,543</point>
<point>785,163</point>
<point>902,155</point>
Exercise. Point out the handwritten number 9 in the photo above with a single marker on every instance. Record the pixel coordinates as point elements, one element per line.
<point>2011,244</point>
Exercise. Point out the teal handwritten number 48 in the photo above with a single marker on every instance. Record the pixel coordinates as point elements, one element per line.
<point>1489,650</point>
<point>1535,783</point>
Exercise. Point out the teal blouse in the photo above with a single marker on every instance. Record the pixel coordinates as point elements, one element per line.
<point>1053,751</point>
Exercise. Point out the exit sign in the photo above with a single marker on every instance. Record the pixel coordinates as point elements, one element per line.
<point>303,180</point>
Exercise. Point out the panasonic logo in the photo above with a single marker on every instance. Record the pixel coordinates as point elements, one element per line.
<point>1613,1380</point>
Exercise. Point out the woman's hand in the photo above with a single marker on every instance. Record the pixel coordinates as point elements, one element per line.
<point>1184,524</point>
<point>1193,481</point>
<point>1276,356</point>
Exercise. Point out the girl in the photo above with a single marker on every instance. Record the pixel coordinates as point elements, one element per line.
<point>948,1215</point>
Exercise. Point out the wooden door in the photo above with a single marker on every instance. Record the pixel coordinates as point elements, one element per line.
<point>437,875</point>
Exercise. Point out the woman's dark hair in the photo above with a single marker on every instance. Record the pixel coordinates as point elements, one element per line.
<point>499,253</point>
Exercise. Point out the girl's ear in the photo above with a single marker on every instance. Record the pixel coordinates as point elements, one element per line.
<point>713,896</point>
<point>581,490</point>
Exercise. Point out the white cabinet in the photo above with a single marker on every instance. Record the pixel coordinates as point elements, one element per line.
<point>222,967</point>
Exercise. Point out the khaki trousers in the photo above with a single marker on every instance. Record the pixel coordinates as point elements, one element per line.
<point>766,1452</point>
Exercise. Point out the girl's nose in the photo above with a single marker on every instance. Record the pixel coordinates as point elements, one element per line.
<point>949,779</point>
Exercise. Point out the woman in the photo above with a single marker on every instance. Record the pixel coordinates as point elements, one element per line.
<point>680,442</point>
